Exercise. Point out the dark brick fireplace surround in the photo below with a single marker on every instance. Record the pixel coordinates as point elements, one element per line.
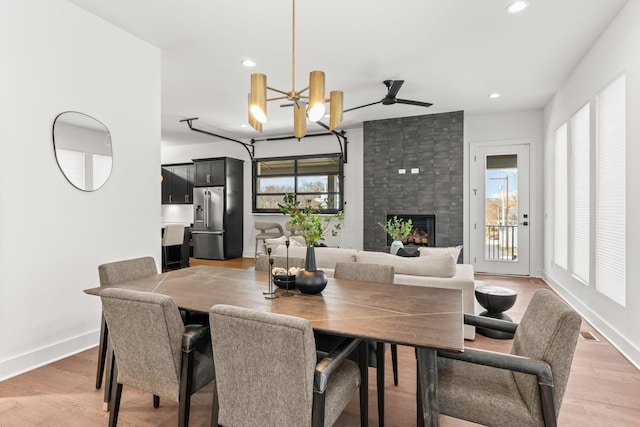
<point>434,145</point>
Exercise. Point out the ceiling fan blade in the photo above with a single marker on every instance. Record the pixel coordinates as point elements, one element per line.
<point>417,103</point>
<point>395,87</point>
<point>362,106</point>
<point>287,105</point>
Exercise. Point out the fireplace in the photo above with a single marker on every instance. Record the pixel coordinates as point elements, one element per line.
<point>423,232</point>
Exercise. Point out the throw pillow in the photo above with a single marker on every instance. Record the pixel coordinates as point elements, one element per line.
<point>436,266</point>
<point>274,243</point>
<point>450,250</point>
<point>296,241</point>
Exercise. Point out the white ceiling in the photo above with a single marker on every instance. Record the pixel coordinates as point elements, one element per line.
<point>452,53</point>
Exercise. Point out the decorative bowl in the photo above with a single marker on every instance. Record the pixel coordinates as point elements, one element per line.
<point>282,280</point>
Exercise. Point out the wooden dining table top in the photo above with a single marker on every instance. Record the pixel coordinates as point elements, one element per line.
<point>409,315</point>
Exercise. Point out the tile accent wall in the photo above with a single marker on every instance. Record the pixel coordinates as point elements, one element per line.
<point>434,145</point>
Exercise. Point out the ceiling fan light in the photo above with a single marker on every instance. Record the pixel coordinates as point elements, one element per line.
<point>316,96</point>
<point>299,120</point>
<point>252,120</point>
<point>335,108</point>
<point>258,97</point>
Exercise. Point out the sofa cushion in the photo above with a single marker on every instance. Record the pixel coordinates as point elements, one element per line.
<point>325,257</point>
<point>450,250</point>
<point>435,265</point>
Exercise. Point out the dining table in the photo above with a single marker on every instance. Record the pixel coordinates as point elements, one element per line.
<point>426,318</point>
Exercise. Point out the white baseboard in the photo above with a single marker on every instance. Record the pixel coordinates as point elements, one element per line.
<point>43,356</point>
<point>619,341</point>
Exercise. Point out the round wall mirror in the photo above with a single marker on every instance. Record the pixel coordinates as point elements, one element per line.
<point>83,150</point>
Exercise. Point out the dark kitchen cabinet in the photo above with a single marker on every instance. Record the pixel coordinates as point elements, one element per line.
<point>177,184</point>
<point>210,173</point>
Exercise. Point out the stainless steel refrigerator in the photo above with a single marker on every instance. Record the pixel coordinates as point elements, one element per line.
<point>208,223</point>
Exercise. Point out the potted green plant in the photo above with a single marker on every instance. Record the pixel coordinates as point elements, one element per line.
<point>313,227</point>
<point>398,229</point>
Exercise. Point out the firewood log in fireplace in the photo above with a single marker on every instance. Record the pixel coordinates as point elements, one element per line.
<point>417,236</point>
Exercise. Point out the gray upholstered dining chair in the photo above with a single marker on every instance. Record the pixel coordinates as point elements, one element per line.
<point>267,373</point>
<point>524,388</point>
<point>154,351</point>
<point>373,273</point>
<point>111,274</point>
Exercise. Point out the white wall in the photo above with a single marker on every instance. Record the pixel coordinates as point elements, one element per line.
<point>616,51</point>
<point>506,128</point>
<point>57,57</point>
<point>351,234</point>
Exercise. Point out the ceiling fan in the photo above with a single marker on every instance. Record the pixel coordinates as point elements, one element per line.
<point>393,86</point>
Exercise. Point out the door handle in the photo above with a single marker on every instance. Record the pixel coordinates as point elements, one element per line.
<point>170,198</point>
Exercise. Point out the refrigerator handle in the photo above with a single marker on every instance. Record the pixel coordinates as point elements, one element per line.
<point>207,202</point>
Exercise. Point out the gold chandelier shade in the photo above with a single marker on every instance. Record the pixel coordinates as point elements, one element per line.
<point>316,95</point>
<point>252,120</point>
<point>335,108</point>
<point>258,97</point>
<point>299,120</point>
<point>316,101</point>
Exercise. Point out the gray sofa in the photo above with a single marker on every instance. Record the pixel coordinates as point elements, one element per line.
<point>436,267</point>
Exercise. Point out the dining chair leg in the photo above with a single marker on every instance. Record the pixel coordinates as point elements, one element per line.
<point>186,382</point>
<point>380,381</point>
<point>363,353</point>
<point>215,406</point>
<point>109,376</point>
<point>419,416</point>
<point>102,352</point>
<point>165,261</point>
<point>115,400</point>
<point>394,363</point>
<point>156,401</point>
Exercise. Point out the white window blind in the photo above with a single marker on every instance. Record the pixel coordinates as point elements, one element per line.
<point>560,212</point>
<point>610,246</point>
<point>580,144</point>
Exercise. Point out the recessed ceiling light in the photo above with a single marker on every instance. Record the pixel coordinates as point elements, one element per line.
<point>517,6</point>
<point>243,125</point>
<point>248,63</point>
<point>494,95</point>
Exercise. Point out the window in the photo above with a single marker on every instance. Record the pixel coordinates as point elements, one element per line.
<point>560,212</point>
<point>315,178</point>
<point>610,245</point>
<point>590,208</point>
<point>580,209</point>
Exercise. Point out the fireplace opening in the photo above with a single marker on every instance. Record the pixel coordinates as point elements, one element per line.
<point>423,232</point>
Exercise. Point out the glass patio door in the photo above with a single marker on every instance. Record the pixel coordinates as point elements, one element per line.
<point>500,209</point>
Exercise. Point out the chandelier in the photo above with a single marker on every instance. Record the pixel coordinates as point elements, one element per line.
<point>307,103</point>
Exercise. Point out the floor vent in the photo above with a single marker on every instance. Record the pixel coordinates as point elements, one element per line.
<point>586,335</point>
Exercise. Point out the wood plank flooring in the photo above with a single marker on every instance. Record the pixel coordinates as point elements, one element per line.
<point>603,389</point>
